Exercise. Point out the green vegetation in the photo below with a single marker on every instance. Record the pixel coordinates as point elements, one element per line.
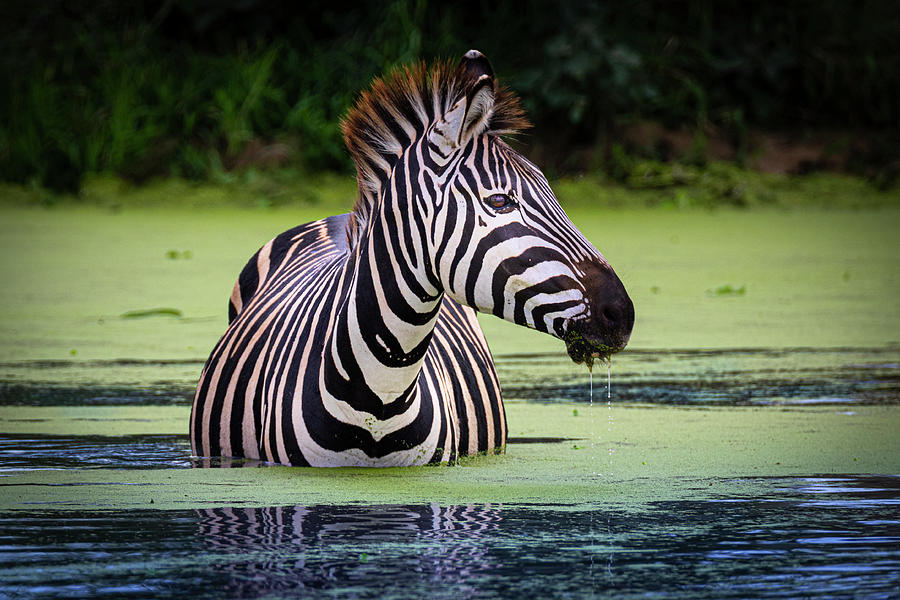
<point>650,184</point>
<point>152,312</point>
<point>658,453</point>
<point>728,290</point>
<point>202,91</point>
<point>813,277</point>
<point>718,185</point>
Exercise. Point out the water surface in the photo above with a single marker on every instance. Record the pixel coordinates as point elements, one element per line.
<point>794,537</point>
<point>743,473</point>
<point>734,377</point>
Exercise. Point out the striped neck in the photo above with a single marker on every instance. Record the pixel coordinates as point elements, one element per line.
<point>385,321</point>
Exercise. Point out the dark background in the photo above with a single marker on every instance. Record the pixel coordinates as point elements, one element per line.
<point>189,88</point>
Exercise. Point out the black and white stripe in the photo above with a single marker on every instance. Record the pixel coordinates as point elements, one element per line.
<point>353,340</point>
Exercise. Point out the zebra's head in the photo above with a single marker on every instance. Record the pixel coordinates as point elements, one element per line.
<point>503,243</point>
<point>496,238</point>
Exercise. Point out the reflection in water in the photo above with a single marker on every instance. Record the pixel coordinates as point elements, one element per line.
<point>317,548</point>
<point>794,537</point>
<point>836,536</point>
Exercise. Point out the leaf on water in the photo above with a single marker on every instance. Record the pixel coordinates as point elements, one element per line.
<point>151,312</point>
<point>727,290</point>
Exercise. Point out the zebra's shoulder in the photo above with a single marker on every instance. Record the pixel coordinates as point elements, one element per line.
<point>325,237</point>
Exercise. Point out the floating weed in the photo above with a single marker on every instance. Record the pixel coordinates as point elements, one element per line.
<point>727,290</point>
<point>175,254</point>
<point>151,312</point>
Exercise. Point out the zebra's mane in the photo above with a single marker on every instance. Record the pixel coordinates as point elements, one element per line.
<point>396,110</point>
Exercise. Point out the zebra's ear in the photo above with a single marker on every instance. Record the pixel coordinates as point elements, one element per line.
<point>471,113</point>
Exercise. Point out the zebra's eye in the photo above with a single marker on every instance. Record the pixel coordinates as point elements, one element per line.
<point>501,203</point>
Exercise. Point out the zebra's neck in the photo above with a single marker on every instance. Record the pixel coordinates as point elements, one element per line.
<point>383,327</point>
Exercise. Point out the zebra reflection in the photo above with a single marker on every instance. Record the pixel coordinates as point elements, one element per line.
<point>285,548</point>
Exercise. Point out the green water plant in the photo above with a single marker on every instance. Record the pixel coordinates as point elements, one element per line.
<point>152,312</point>
<point>727,290</point>
<point>584,350</point>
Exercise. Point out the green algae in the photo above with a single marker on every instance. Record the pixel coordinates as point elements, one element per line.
<point>94,420</point>
<point>819,278</point>
<point>151,312</point>
<point>814,279</point>
<point>658,452</point>
<point>727,290</point>
<point>791,263</point>
<point>583,350</point>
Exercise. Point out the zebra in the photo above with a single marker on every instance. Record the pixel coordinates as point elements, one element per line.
<point>353,340</point>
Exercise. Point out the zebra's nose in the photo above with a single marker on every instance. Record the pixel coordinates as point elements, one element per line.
<point>611,314</point>
<point>612,311</point>
<point>606,328</point>
<point>616,314</point>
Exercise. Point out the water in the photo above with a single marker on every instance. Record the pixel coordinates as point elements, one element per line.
<point>609,418</point>
<point>593,431</point>
<point>814,534</point>
<point>747,377</point>
<point>836,536</point>
<point>609,413</point>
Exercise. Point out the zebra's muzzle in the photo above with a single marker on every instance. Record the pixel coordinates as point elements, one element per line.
<point>608,330</point>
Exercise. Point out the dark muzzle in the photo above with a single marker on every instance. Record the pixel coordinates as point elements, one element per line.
<point>607,328</point>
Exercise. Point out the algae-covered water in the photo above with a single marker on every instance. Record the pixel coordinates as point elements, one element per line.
<point>751,448</point>
<point>803,537</point>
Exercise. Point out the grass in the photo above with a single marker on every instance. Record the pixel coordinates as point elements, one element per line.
<point>719,185</point>
<point>250,188</point>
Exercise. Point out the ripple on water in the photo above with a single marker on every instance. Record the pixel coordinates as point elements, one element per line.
<point>38,452</point>
<point>748,377</point>
<point>775,545</point>
<point>785,537</point>
<point>709,377</point>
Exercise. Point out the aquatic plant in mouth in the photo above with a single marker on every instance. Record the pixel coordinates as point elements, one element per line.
<point>585,350</point>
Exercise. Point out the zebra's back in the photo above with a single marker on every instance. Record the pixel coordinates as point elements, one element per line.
<point>261,391</point>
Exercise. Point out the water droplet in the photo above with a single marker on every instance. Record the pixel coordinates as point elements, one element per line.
<point>591,410</point>
<point>609,413</point>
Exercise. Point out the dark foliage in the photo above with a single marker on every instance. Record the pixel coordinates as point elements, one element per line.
<point>200,86</point>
